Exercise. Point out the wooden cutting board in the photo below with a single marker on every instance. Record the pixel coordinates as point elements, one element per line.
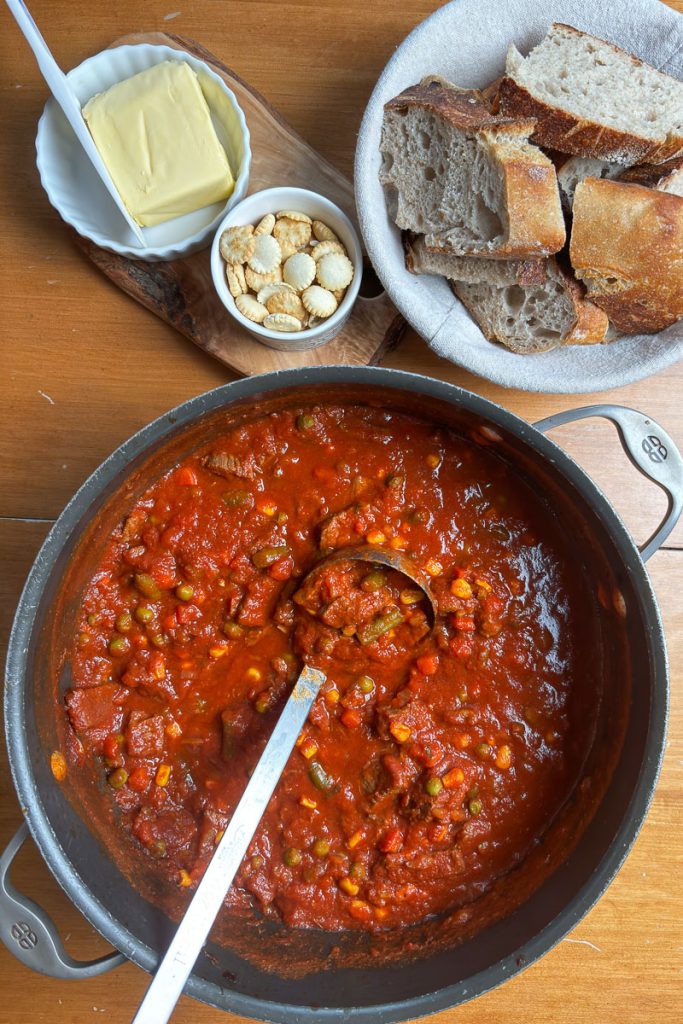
<point>181,291</point>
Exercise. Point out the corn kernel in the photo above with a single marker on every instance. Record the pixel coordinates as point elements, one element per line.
<point>163,775</point>
<point>253,674</point>
<point>349,887</point>
<point>483,584</point>
<point>309,749</point>
<point>218,650</point>
<point>398,543</point>
<point>355,839</point>
<point>184,878</point>
<point>219,836</point>
<point>306,801</point>
<point>300,738</point>
<point>433,460</point>
<point>504,757</point>
<point>375,537</point>
<point>381,913</point>
<point>269,508</point>
<point>348,630</point>
<point>461,588</point>
<point>400,732</point>
<point>173,730</point>
<point>332,696</point>
<point>433,568</point>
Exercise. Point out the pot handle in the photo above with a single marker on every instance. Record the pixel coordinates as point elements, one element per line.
<point>650,449</point>
<point>29,933</point>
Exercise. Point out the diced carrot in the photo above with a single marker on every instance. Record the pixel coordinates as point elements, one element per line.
<point>391,841</point>
<point>428,664</point>
<point>140,778</point>
<point>454,778</point>
<point>265,505</point>
<point>463,623</point>
<point>350,718</point>
<point>58,765</point>
<point>461,646</point>
<point>157,665</point>
<point>186,477</point>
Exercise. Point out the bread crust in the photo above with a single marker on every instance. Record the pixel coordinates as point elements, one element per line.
<point>667,177</point>
<point>561,130</point>
<point>465,109</point>
<point>627,247</point>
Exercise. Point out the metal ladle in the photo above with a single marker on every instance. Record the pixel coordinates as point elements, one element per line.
<point>173,971</point>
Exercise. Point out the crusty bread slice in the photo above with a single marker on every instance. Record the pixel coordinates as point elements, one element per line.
<point>469,178</point>
<point>527,305</point>
<point>627,247</point>
<point>593,99</point>
<point>666,177</point>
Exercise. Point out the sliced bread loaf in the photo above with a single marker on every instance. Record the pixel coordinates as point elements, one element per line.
<point>467,177</point>
<point>592,99</point>
<point>527,305</point>
<point>666,177</point>
<point>627,247</point>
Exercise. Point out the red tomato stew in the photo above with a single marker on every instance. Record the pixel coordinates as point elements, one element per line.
<point>433,760</point>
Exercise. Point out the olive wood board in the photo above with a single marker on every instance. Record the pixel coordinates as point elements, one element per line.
<point>181,291</point>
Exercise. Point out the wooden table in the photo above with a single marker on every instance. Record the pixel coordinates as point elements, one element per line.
<point>84,367</point>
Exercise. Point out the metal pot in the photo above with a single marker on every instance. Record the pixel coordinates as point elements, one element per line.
<point>622,769</point>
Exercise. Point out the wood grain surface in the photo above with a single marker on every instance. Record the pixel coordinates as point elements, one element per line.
<point>182,292</point>
<point>83,367</point>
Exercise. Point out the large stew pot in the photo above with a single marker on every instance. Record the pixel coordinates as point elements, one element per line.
<point>529,910</point>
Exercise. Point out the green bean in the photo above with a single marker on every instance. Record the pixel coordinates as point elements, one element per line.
<point>268,556</point>
<point>305,421</point>
<point>380,625</point>
<point>475,807</point>
<point>237,498</point>
<point>319,777</point>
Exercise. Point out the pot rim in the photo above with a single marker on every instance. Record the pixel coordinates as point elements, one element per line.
<point>15,673</point>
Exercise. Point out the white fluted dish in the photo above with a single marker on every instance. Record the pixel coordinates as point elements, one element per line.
<point>74,188</point>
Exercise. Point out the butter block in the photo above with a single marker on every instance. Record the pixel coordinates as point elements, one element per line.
<point>155,135</point>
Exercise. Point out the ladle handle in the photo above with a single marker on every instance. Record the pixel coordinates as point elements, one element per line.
<point>31,936</point>
<point>651,450</point>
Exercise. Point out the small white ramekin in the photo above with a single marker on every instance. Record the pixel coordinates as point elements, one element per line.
<point>74,188</point>
<point>271,200</point>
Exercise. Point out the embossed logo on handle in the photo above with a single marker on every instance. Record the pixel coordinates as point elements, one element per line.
<point>654,449</point>
<point>23,935</point>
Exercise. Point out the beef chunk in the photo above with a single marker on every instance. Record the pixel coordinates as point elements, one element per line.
<point>258,602</point>
<point>95,710</point>
<point>224,464</point>
<point>165,832</point>
<point>145,736</point>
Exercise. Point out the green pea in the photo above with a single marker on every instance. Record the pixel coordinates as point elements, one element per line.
<point>268,556</point>
<point>158,848</point>
<point>374,580</point>
<point>475,807</point>
<point>159,639</point>
<point>147,586</point>
<point>366,684</point>
<point>124,622</point>
<point>483,750</point>
<point>257,862</point>
<point>184,592</point>
<point>232,629</point>
<point>143,613</point>
<point>292,857</point>
<point>305,421</point>
<point>92,620</point>
<point>262,703</point>
<point>433,785</point>
<point>83,639</point>
<point>238,498</point>
<point>119,645</point>
<point>358,870</point>
<point>321,848</point>
<point>117,778</point>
